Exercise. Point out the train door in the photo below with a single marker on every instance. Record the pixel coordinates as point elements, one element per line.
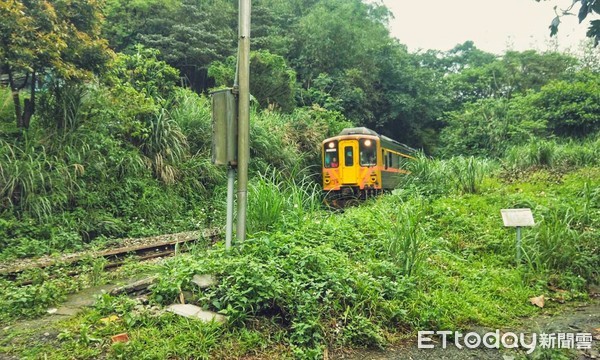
<point>349,161</point>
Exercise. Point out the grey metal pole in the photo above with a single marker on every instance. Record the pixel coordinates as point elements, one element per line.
<point>243,116</point>
<point>518,245</point>
<point>230,189</point>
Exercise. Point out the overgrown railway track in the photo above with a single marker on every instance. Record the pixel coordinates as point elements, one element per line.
<point>139,249</point>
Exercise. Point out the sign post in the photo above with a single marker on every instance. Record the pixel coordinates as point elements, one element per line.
<point>517,218</point>
<point>231,129</point>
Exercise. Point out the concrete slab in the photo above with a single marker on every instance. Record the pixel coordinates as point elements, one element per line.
<point>196,312</point>
<point>204,281</point>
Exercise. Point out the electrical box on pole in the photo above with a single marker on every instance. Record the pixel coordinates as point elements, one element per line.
<point>224,127</point>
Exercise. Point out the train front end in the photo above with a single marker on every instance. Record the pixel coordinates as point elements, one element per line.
<point>351,167</point>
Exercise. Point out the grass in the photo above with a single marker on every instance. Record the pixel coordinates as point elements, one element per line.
<point>279,199</point>
<point>303,284</point>
<point>554,154</point>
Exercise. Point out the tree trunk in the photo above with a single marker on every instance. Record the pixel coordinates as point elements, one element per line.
<point>29,104</point>
<point>15,95</point>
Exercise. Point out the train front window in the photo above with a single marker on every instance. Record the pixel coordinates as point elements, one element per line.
<point>348,156</point>
<point>331,158</point>
<point>368,154</point>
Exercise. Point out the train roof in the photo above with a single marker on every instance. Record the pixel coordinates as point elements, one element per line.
<point>366,131</point>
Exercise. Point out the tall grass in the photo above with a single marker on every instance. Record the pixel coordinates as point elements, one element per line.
<point>551,154</point>
<point>468,173</point>
<point>269,144</point>
<point>277,198</point>
<point>7,109</point>
<point>165,146</point>
<point>434,176</point>
<point>428,176</point>
<point>406,238</point>
<point>192,113</point>
<point>62,107</point>
<point>33,182</point>
<point>557,246</point>
<point>536,153</point>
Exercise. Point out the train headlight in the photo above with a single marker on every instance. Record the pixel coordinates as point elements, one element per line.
<point>367,142</point>
<point>331,145</point>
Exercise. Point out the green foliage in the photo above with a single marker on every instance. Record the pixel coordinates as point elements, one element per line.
<point>277,199</point>
<point>144,72</point>
<point>514,73</point>
<point>468,173</point>
<point>536,153</point>
<point>558,246</point>
<point>49,38</point>
<point>554,154</point>
<point>273,81</point>
<point>571,108</point>
<point>490,126</point>
<point>486,127</point>
<point>27,184</point>
<point>407,238</point>
<point>190,35</point>
<point>427,176</point>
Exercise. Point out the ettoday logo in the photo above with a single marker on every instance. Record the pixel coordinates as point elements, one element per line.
<point>507,340</point>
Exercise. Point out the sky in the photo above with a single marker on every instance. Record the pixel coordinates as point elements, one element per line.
<point>494,25</point>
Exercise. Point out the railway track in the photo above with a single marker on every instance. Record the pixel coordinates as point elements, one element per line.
<point>167,246</point>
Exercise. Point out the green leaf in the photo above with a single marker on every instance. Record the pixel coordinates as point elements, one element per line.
<point>594,31</point>
<point>554,26</point>
<point>583,11</point>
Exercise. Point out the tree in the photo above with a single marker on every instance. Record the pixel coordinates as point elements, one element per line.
<point>57,38</point>
<point>190,34</point>
<point>273,81</point>
<point>513,73</point>
<point>145,73</point>
<point>571,108</point>
<point>488,126</point>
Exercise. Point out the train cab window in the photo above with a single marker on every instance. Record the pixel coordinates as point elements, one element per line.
<point>385,160</point>
<point>368,152</point>
<point>348,156</point>
<point>331,158</point>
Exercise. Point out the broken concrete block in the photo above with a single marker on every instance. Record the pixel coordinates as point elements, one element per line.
<point>204,281</point>
<point>134,286</point>
<point>195,312</point>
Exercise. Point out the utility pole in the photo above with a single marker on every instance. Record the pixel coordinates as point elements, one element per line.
<point>243,116</point>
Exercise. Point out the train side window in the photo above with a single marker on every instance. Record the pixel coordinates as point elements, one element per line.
<point>348,156</point>
<point>384,158</point>
<point>390,163</point>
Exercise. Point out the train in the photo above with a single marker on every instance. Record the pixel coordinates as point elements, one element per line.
<point>360,163</point>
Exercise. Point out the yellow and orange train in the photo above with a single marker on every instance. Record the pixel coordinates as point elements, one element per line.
<point>359,163</point>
